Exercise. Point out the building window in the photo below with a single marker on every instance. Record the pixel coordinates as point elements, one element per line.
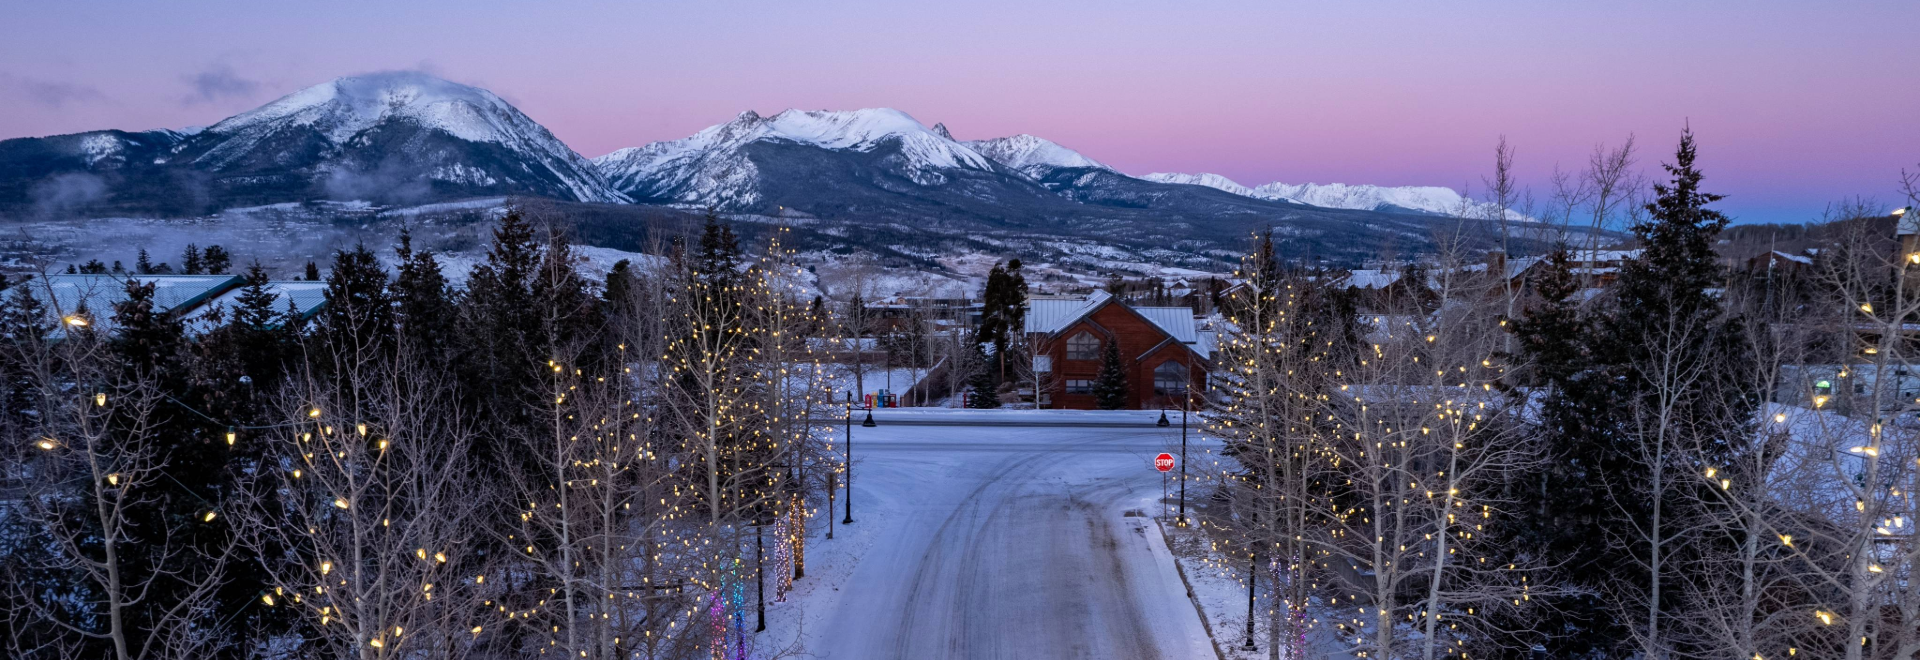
<point>1079,386</point>
<point>1083,347</point>
<point>1170,378</point>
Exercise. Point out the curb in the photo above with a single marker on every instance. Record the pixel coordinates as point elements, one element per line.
<point>1191,599</point>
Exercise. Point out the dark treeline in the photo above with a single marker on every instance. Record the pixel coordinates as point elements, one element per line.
<point>533,463</point>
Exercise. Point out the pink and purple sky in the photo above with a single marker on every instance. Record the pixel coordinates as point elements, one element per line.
<point>1796,104</point>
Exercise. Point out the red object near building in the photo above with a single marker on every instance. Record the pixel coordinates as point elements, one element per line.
<point>1163,462</point>
<point>1162,351</point>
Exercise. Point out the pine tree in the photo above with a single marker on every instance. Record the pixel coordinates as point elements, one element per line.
<point>216,260</point>
<point>142,264</point>
<point>190,261</point>
<point>358,317</point>
<point>313,272</point>
<point>1604,383</point>
<point>254,332</point>
<point>980,386</point>
<point>423,302</point>
<point>1110,387</point>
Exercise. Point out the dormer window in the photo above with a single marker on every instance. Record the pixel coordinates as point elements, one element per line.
<point>1083,347</point>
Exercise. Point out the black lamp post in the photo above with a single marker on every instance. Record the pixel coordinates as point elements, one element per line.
<point>760,574</point>
<point>1253,575</point>
<point>849,497</point>
<point>1186,401</point>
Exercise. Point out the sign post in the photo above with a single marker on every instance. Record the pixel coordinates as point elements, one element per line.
<point>1163,463</point>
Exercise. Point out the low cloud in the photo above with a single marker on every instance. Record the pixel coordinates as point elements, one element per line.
<point>50,93</point>
<point>389,183</point>
<point>63,194</point>
<point>219,82</point>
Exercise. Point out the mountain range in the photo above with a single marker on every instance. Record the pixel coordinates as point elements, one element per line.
<point>407,138</point>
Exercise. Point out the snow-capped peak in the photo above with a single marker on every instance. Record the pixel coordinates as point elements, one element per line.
<point>346,106</point>
<point>709,167</point>
<point>1203,179</point>
<point>1427,199</point>
<point>1031,155</point>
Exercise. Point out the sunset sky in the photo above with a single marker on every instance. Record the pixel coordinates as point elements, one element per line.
<point>1796,104</point>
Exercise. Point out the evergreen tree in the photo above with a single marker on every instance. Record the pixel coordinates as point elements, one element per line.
<point>216,260</point>
<point>142,264</point>
<point>980,386</point>
<point>1600,379</point>
<point>150,346</point>
<point>190,261</point>
<point>718,261</point>
<point>255,333</point>
<point>423,302</point>
<point>1110,386</point>
<point>357,321</point>
<point>312,272</point>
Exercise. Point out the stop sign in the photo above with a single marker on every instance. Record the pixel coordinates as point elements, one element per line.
<point>1163,462</point>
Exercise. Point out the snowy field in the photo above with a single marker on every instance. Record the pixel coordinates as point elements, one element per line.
<point>978,538</point>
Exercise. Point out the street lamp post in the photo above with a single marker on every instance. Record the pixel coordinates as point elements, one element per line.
<point>1186,401</point>
<point>760,574</point>
<point>849,497</point>
<point>1253,575</point>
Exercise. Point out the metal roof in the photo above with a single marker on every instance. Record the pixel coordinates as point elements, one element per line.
<point>66,295</point>
<point>1051,315</point>
<point>1177,322</point>
<point>307,298</point>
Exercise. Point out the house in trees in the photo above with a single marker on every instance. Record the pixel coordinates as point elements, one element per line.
<point>200,300</point>
<point>1163,353</point>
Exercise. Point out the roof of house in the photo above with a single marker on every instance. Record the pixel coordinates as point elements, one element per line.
<point>1052,315</point>
<point>66,295</point>
<point>307,297</point>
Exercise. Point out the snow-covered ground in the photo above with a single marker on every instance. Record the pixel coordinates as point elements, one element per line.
<point>978,541</point>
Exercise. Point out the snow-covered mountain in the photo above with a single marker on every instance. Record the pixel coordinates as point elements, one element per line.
<point>386,137</point>
<point>1213,181</point>
<point>445,132</point>
<point>1434,200</point>
<point>715,167</point>
<point>1032,156</point>
<point>1426,199</point>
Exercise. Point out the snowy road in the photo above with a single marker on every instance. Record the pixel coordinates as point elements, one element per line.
<point>997,542</point>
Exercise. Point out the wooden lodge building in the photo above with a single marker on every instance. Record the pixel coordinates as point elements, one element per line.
<point>1162,349</point>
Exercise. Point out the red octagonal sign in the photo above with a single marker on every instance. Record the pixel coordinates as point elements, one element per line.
<point>1163,462</point>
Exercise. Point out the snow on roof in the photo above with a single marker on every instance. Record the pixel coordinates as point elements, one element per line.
<point>66,294</point>
<point>1796,258</point>
<point>306,297</point>
<point>1372,278</point>
<point>1050,315</point>
<point>1177,322</point>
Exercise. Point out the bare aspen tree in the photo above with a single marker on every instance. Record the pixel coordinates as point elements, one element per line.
<point>91,466</point>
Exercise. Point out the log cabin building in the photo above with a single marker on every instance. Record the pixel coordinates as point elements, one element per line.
<point>1162,350</point>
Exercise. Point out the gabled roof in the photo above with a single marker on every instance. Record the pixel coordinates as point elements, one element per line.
<point>1052,315</point>
<point>1177,322</point>
<point>307,297</point>
<point>66,294</point>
